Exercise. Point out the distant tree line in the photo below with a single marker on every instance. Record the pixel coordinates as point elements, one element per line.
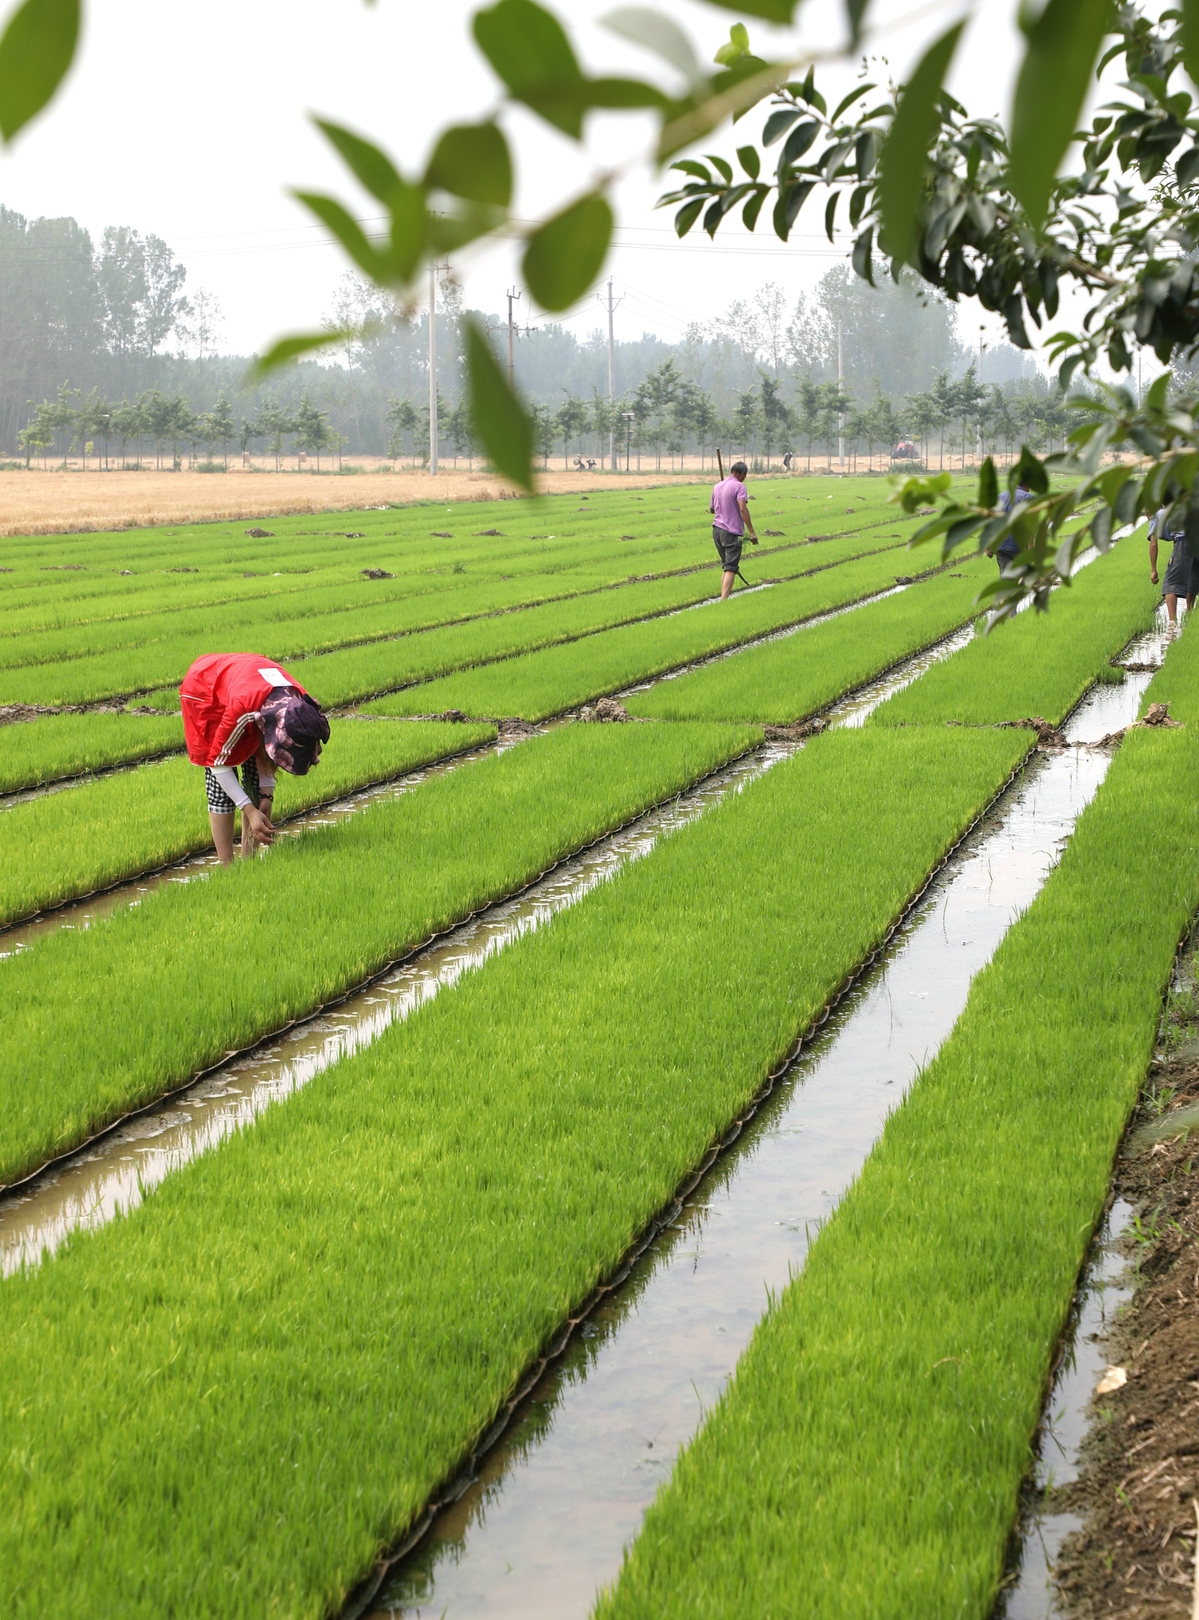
<point>161,423</point>
<point>124,357</point>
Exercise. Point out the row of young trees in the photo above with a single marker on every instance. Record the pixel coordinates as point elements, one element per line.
<point>79,424</point>
<point>667,414</point>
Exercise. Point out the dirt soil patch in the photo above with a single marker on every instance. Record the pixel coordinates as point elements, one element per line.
<point>1135,1555</point>
<point>55,502</point>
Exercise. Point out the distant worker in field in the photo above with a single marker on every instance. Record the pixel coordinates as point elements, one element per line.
<point>1003,554</point>
<point>730,507</point>
<point>1182,571</point>
<point>242,709</point>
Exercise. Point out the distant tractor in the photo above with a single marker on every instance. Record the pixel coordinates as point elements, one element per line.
<point>905,450</point>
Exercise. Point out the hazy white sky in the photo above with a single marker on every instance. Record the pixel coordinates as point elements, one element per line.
<point>191,122</point>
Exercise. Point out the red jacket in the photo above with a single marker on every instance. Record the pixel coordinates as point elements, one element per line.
<point>218,694</point>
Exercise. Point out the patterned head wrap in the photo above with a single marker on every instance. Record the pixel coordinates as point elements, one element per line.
<point>293,729</point>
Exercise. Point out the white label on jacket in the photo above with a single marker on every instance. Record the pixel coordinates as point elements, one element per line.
<point>274,677</point>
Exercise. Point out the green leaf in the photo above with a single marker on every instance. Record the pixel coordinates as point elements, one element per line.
<point>409,230</point>
<point>778,124</point>
<point>564,257</point>
<point>736,46</point>
<point>347,231</point>
<point>499,417</point>
<point>472,161</point>
<point>1190,38</point>
<point>290,348</point>
<point>1028,470</point>
<point>772,10</point>
<point>786,209</point>
<point>687,216</point>
<point>1155,397</point>
<point>36,50</point>
<point>658,33</point>
<point>529,50</point>
<point>622,93</point>
<point>1063,44</point>
<point>749,160</point>
<point>988,485</point>
<point>863,255</point>
<point>855,10</point>
<point>848,101</point>
<point>798,142</point>
<point>367,163</point>
<point>905,153</point>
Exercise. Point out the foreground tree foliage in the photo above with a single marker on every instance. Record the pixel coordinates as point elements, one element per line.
<point>976,210</point>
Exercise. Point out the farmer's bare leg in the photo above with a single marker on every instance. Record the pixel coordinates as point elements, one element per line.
<point>726,584</point>
<point>222,835</point>
<point>1172,608</point>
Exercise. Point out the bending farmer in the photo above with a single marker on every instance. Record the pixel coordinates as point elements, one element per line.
<point>240,709</point>
<point>730,507</point>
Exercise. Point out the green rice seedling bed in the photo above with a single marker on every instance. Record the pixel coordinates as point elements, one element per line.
<point>1040,663</point>
<point>105,1020</point>
<point>870,1448</point>
<point>66,845</point>
<point>60,745</point>
<point>532,569</point>
<point>486,633</point>
<point>355,673</point>
<point>548,682</point>
<point>60,580</point>
<point>273,1362</point>
<point>794,677</point>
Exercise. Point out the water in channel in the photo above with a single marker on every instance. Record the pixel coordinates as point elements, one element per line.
<point>1106,1287</point>
<point>543,1525</point>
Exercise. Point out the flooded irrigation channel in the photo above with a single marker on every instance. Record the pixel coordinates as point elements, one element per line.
<point>1106,1286</point>
<point>541,1525</point>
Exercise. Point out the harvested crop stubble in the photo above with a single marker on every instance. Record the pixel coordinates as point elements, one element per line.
<point>1041,663</point>
<point>295,1338</point>
<point>104,1020</point>
<point>789,679</point>
<point>870,1448</point>
<point>113,827</point>
<point>58,745</point>
<point>545,683</point>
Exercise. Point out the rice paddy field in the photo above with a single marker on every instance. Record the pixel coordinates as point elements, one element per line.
<point>353,1197</point>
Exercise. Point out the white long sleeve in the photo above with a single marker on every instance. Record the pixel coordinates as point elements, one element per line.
<point>227,777</point>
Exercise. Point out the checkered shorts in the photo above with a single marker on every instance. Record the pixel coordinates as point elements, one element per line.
<point>219,801</point>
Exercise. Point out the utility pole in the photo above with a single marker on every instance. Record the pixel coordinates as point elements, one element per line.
<point>513,295</point>
<point>432,370</point>
<point>610,306</point>
<point>978,426</point>
<point>840,390</point>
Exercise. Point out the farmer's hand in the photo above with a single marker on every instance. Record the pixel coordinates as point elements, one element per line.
<point>753,539</point>
<point>1153,576</point>
<point>259,825</point>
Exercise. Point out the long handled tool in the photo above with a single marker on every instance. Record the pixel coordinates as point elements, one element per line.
<point>720,464</point>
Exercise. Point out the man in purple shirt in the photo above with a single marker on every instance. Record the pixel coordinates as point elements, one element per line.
<point>729,506</point>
